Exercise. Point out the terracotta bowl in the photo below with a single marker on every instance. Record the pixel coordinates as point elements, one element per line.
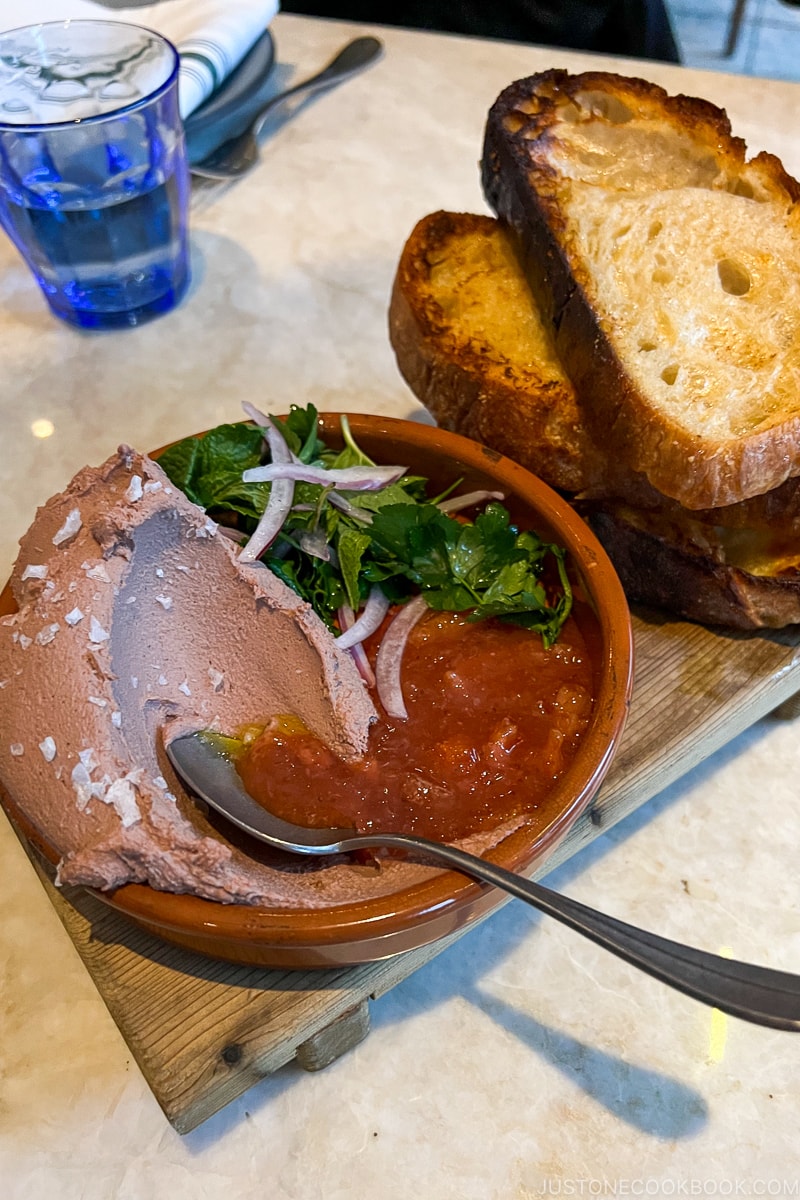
<point>444,901</point>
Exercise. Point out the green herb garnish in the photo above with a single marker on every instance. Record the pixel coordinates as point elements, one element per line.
<point>396,538</point>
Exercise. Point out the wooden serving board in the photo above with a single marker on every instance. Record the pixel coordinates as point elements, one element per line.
<point>204,1031</point>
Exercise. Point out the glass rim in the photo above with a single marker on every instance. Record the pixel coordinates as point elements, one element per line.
<point>98,118</point>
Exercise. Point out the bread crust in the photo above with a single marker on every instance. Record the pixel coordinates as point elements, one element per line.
<point>524,181</point>
<point>523,406</point>
<point>667,557</point>
<point>659,571</point>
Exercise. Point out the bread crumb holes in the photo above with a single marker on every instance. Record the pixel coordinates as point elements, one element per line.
<point>735,278</point>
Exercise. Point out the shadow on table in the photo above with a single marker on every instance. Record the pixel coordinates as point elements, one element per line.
<point>643,1098</point>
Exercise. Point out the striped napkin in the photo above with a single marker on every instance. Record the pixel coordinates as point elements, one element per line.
<point>212,36</point>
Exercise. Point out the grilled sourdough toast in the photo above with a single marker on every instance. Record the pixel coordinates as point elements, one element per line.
<point>667,267</point>
<point>471,344</point>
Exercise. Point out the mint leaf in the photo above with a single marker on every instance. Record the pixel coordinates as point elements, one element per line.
<point>351,546</point>
<point>301,431</point>
<point>408,490</point>
<point>209,469</point>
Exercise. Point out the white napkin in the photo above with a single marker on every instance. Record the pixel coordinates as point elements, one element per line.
<point>212,36</point>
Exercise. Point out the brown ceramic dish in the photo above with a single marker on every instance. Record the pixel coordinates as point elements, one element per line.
<point>444,901</point>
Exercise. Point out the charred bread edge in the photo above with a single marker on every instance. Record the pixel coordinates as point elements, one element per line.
<point>422,344</point>
<point>655,573</point>
<point>684,468</point>
<point>449,374</point>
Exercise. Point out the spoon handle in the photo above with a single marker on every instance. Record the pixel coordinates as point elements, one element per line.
<point>757,994</point>
<point>351,59</point>
<point>239,153</point>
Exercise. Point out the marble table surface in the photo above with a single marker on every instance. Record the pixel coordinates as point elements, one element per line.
<point>523,1061</point>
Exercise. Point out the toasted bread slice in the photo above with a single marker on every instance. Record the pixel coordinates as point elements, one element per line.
<point>472,346</point>
<point>667,267</point>
<point>741,579</point>
<point>467,335</point>
<point>470,342</point>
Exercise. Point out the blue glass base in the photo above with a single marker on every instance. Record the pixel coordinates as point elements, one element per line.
<point>100,317</point>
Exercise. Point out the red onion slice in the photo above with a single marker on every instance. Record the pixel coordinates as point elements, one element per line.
<point>371,616</point>
<point>456,503</point>
<point>346,622</point>
<point>389,660</point>
<point>281,495</point>
<point>256,415</point>
<point>354,479</point>
<point>350,510</point>
<point>315,544</point>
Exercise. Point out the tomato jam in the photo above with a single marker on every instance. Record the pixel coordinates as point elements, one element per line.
<point>493,720</point>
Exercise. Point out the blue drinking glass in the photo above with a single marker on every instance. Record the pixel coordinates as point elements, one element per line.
<point>94,184</point>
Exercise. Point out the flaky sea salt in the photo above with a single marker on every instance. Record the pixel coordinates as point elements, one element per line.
<point>35,571</point>
<point>87,758</point>
<point>70,527</point>
<point>82,783</point>
<point>96,632</point>
<point>25,641</point>
<point>73,617</point>
<point>98,700</point>
<point>184,687</point>
<point>162,680</point>
<point>217,679</point>
<point>17,749</point>
<point>48,749</point>
<point>96,570</point>
<point>153,485</point>
<point>208,530</point>
<point>116,718</point>
<point>165,602</point>
<point>45,636</point>
<point>122,795</point>
<point>134,490</point>
<point>160,572</point>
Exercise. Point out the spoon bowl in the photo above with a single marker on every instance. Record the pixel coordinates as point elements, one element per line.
<point>757,994</point>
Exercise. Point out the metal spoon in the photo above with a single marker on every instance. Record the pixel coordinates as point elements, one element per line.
<point>756,994</point>
<point>240,153</point>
